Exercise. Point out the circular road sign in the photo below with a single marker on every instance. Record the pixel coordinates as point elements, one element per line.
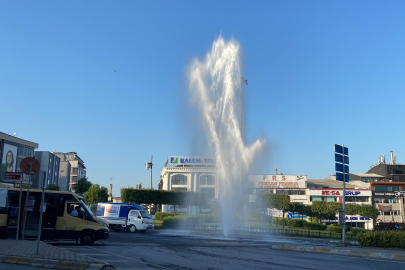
<point>25,164</point>
<point>289,216</point>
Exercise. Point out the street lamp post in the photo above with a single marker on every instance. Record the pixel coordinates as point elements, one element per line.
<point>149,165</point>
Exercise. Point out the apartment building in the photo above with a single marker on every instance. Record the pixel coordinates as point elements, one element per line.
<point>73,167</point>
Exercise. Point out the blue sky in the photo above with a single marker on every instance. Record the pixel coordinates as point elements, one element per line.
<point>319,72</point>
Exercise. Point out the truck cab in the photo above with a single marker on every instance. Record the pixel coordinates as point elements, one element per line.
<point>139,220</point>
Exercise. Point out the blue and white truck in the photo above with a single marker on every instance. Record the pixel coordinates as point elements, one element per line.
<point>125,216</point>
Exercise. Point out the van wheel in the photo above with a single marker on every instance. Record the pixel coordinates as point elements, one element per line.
<point>132,228</point>
<point>87,239</point>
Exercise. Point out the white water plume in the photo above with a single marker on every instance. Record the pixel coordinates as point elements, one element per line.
<point>216,88</point>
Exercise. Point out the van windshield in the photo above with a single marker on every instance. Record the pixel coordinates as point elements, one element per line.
<point>144,214</point>
<point>87,208</point>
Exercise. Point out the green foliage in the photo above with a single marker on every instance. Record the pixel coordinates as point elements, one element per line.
<point>177,221</point>
<point>356,231</point>
<point>150,196</point>
<point>297,222</point>
<point>314,226</point>
<point>337,229</point>
<point>352,209</point>
<point>208,218</point>
<point>385,239</point>
<point>96,194</point>
<point>368,211</point>
<point>281,221</point>
<point>83,185</point>
<point>52,187</point>
<point>162,215</point>
<point>325,209</point>
<point>314,219</point>
<point>278,201</point>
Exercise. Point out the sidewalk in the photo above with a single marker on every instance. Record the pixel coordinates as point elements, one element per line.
<point>24,252</point>
<point>369,253</point>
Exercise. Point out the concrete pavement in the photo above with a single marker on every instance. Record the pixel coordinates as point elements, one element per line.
<point>182,250</point>
<point>24,253</point>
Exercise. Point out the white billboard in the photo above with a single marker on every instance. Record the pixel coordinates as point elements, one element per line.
<point>9,159</point>
<point>277,181</point>
<point>179,160</point>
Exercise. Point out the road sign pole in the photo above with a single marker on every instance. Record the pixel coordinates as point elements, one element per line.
<point>41,211</point>
<point>344,199</point>
<point>26,200</point>
<point>19,205</point>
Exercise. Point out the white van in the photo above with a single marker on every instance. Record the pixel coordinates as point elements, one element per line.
<point>139,220</point>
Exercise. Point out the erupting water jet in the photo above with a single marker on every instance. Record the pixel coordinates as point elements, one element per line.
<point>216,88</point>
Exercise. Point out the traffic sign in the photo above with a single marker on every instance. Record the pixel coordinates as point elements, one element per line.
<point>12,176</point>
<point>25,164</point>
<point>339,177</point>
<point>340,158</point>
<point>289,216</point>
<point>339,168</point>
<point>339,149</point>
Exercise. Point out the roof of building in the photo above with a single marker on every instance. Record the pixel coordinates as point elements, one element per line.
<point>330,183</point>
<point>368,175</point>
<point>23,142</point>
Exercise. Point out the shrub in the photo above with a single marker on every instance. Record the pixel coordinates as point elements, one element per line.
<point>313,219</point>
<point>177,221</point>
<point>356,231</point>
<point>280,221</point>
<point>314,226</point>
<point>337,229</point>
<point>208,218</point>
<point>385,239</point>
<point>162,215</point>
<point>297,222</point>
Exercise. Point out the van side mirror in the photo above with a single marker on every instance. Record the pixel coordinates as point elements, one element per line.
<point>139,216</point>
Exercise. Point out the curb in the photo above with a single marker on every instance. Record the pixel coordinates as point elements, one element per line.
<point>342,252</point>
<point>53,264</point>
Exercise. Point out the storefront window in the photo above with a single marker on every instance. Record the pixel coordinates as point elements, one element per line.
<point>316,198</point>
<point>331,199</point>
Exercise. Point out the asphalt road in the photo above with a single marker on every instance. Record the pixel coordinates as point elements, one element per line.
<point>179,250</point>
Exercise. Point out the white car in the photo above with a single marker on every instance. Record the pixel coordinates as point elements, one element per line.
<point>139,220</point>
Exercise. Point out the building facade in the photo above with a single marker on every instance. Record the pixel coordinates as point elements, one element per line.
<point>197,174</point>
<point>12,151</point>
<point>75,168</point>
<point>49,170</point>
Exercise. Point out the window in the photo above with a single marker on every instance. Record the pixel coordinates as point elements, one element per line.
<point>134,213</point>
<point>386,188</point>
<point>290,191</point>
<point>377,200</point>
<point>76,210</point>
<point>331,199</point>
<point>179,179</point>
<point>356,199</point>
<point>207,180</point>
<point>74,178</point>
<point>74,170</point>
<point>316,198</point>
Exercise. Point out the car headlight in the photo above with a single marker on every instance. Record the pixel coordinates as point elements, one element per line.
<point>102,223</point>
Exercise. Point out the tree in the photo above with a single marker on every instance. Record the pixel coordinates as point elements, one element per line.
<point>352,209</point>
<point>52,187</point>
<point>96,194</point>
<point>368,211</point>
<point>319,207</point>
<point>83,185</point>
<point>278,201</point>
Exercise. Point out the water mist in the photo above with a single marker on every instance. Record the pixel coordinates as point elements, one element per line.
<point>216,88</point>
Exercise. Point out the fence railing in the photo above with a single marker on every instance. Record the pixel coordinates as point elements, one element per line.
<point>273,231</point>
